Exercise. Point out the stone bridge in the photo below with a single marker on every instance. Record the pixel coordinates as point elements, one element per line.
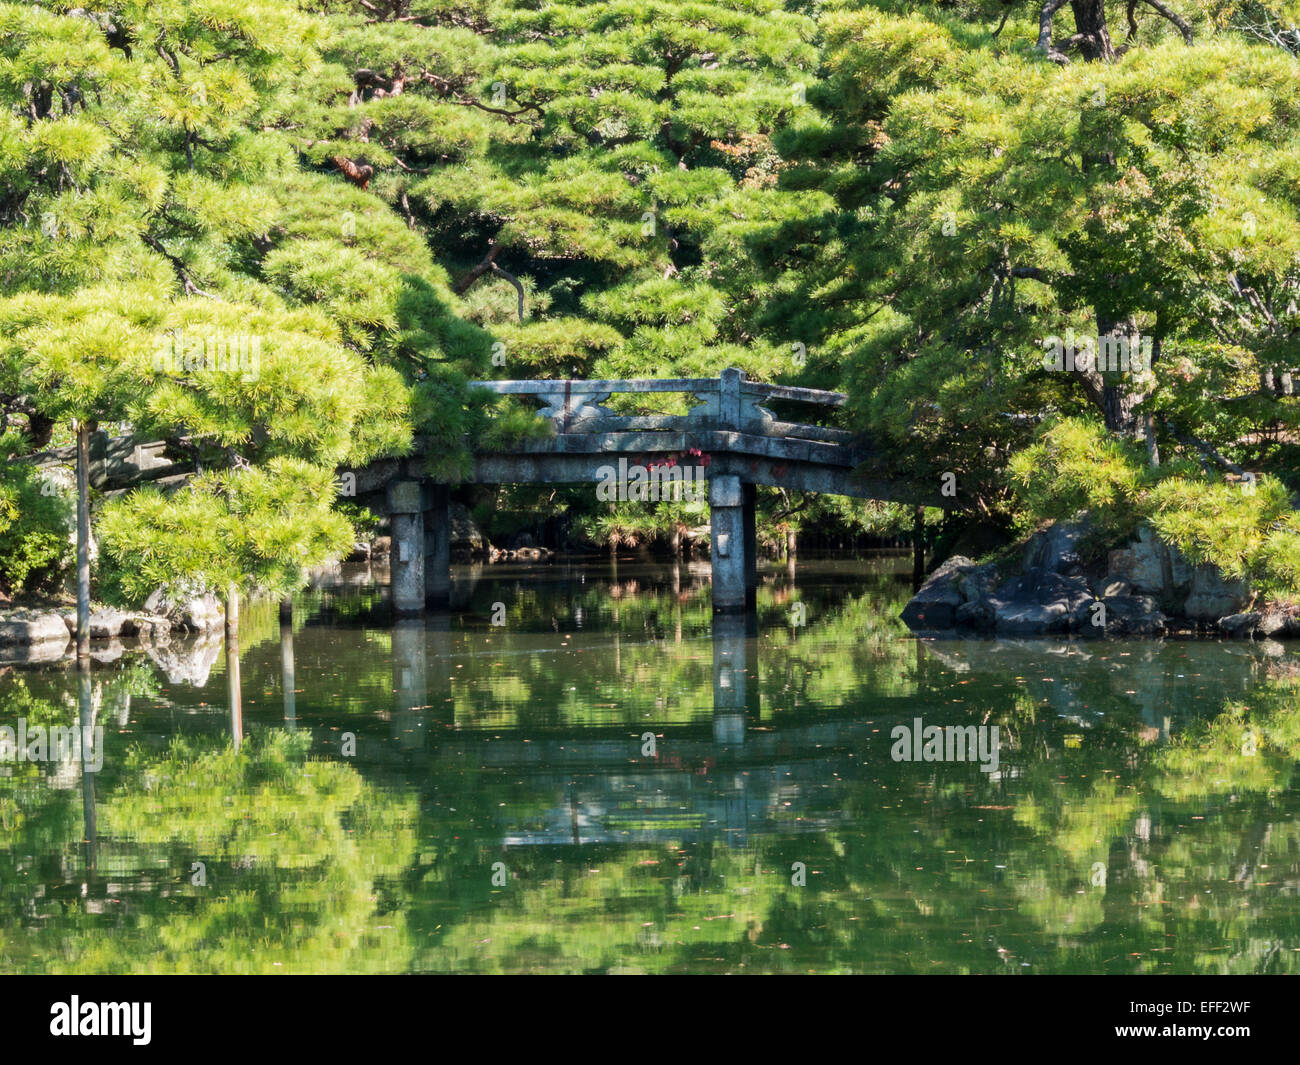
<point>731,439</point>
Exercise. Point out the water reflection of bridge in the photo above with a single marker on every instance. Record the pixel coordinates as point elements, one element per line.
<point>726,777</point>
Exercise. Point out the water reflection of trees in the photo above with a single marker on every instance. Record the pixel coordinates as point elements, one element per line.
<point>1127,830</point>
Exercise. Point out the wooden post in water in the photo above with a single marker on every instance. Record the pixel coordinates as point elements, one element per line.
<point>234,690</point>
<point>83,541</point>
<point>287,678</point>
<point>86,721</point>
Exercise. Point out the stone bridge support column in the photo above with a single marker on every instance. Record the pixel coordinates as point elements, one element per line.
<point>733,544</point>
<point>406,563</point>
<point>437,548</point>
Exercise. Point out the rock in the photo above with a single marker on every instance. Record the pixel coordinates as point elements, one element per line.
<point>1110,585</point>
<point>106,623</point>
<point>935,605</point>
<point>381,546</point>
<point>1133,615</point>
<point>1150,565</point>
<point>1240,626</point>
<point>1055,549</point>
<point>1023,618</point>
<point>1271,623</point>
<point>466,539</point>
<point>201,614</point>
<point>979,615</point>
<point>195,613</point>
<point>978,583</point>
<point>27,627</point>
<point>1213,596</point>
<point>1039,602</point>
<point>147,627</point>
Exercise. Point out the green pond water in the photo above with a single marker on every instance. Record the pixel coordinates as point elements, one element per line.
<point>609,779</point>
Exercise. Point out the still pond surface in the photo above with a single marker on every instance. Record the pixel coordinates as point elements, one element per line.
<point>606,779</point>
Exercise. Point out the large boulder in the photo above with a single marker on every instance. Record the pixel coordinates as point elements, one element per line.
<point>1213,595</point>
<point>1150,565</point>
<point>106,623</point>
<point>975,584</point>
<point>1111,585</point>
<point>195,613</point>
<point>1272,623</point>
<point>979,614</point>
<point>27,627</point>
<point>1039,602</point>
<point>935,605</point>
<point>147,627</point>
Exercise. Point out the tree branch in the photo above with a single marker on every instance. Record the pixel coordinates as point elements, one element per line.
<point>191,289</point>
<point>1184,27</point>
<point>1045,16</point>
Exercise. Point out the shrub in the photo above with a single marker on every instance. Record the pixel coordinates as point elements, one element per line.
<point>34,530</point>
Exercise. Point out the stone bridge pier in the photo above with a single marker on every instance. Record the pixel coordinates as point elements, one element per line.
<point>420,563</point>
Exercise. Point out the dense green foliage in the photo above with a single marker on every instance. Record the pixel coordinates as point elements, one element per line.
<point>34,524</point>
<point>904,202</point>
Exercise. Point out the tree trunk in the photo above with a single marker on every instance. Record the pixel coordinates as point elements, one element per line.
<point>83,541</point>
<point>1113,395</point>
<point>1092,35</point>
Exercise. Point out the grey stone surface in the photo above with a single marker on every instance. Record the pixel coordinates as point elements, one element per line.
<point>26,627</point>
<point>1240,626</point>
<point>1110,585</point>
<point>1133,615</point>
<point>1213,596</point>
<point>1021,618</point>
<point>1055,549</point>
<point>1271,623</point>
<point>1150,566</point>
<point>935,605</point>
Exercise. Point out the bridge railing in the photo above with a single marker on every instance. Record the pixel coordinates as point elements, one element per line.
<point>727,403</point>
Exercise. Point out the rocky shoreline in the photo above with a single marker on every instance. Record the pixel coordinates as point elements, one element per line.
<point>1145,588</point>
<point>35,635</point>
